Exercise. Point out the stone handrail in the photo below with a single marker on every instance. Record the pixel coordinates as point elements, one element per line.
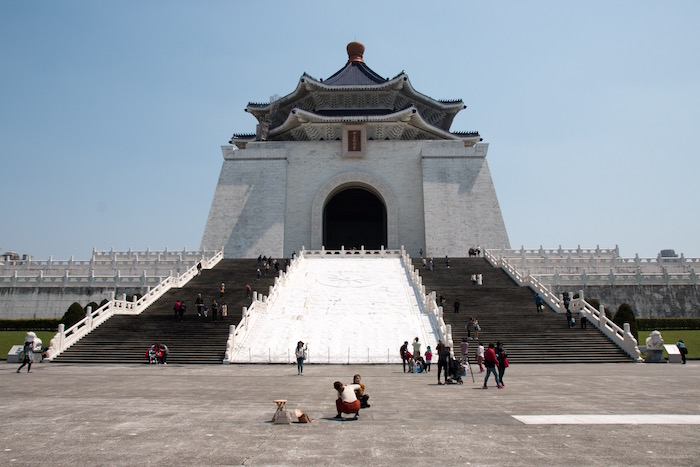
<point>65,338</point>
<point>622,337</point>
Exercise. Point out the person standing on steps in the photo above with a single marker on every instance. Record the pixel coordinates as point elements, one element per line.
<point>214,310</point>
<point>539,303</point>
<point>457,305</point>
<point>199,303</point>
<point>222,289</point>
<point>181,311</point>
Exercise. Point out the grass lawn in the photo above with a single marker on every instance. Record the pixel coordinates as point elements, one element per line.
<point>691,339</point>
<point>10,338</point>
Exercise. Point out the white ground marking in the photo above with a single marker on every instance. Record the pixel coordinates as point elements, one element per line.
<point>609,419</point>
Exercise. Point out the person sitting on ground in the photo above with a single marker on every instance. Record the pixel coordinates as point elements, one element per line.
<point>420,362</point>
<point>163,354</point>
<point>347,400</point>
<point>360,393</point>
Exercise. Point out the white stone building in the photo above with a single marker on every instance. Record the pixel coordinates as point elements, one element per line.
<point>354,160</point>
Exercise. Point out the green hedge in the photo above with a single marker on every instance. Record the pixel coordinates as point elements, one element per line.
<point>46,324</point>
<point>659,324</point>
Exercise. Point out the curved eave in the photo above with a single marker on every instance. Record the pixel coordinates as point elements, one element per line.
<point>410,115</point>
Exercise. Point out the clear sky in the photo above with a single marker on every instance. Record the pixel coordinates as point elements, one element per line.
<point>112,114</point>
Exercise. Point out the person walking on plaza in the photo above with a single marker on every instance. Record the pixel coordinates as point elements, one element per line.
<point>428,359</point>
<point>502,357</point>
<point>301,354</point>
<point>28,355</point>
<point>682,349</point>
<point>491,362</point>
<point>347,400</point>
<point>443,360</point>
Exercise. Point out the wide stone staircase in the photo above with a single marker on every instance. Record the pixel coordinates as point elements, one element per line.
<point>125,339</point>
<point>506,312</point>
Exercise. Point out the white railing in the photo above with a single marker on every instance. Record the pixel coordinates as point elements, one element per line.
<point>105,269</point>
<point>426,303</point>
<point>621,337</point>
<point>600,267</point>
<point>65,338</point>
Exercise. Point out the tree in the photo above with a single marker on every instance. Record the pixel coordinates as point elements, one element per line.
<point>74,314</point>
<point>625,314</point>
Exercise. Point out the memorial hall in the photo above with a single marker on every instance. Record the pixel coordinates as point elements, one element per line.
<point>350,161</point>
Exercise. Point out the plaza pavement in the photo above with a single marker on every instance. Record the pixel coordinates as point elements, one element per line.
<point>219,415</point>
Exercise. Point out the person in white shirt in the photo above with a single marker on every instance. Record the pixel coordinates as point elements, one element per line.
<point>347,400</point>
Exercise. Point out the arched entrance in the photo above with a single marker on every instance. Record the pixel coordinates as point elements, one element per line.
<point>354,217</point>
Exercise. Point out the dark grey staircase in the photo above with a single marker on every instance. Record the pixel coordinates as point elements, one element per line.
<point>506,312</point>
<point>125,339</point>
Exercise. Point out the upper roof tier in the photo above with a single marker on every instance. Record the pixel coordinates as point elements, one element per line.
<point>355,91</point>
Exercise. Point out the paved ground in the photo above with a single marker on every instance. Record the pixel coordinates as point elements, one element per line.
<point>219,415</point>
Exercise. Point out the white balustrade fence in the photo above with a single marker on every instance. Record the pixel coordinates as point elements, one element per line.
<point>105,269</point>
<point>93,318</point>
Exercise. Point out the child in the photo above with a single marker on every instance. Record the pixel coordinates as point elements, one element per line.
<point>428,358</point>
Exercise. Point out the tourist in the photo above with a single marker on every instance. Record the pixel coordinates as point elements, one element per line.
<point>432,264</point>
<point>259,260</point>
<point>539,303</point>
<point>301,354</point>
<point>199,268</point>
<point>416,348</point>
<point>473,280</point>
<point>214,310</point>
<point>447,262</point>
<point>480,357</point>
<point>479,279</point>
<point>221,290</point>
<point>248,291</point>
<point>423,262</point>
<point>456,306</point>
<point>360,393</point>
<point>443,361</point>
<point>403,351</point>
<point>163,353</point>
<point>347,400</point>
<point>224,311</point>
<point>421,252</point>
<point>181,311</point>
<point>477,328</point>
<point>491,361</point>
<point>566,301</point>
<point>470,327</point>
<point>176,308</point>
<point>28,350</point>
<point>199,303</point>
<point>584,321</point>
<point>502,357</point>
<point>257,274</point>
<point>681,348</point>
<point>569,319</point>
<point>478,250</point>
<point>464,349</point>
<point>428,358</point>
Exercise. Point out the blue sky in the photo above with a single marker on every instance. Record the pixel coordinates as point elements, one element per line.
<point>113,113</point>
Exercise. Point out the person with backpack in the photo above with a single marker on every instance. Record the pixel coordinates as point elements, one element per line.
<point>682,349</point>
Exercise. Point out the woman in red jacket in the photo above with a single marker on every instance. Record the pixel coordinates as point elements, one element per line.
<point>491,362</point>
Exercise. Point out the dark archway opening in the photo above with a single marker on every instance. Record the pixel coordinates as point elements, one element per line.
<point>354,217</point>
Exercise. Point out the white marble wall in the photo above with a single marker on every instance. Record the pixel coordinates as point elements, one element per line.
<point>270,196</point>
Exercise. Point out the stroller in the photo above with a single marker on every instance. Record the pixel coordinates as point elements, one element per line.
<point>455,371</point>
